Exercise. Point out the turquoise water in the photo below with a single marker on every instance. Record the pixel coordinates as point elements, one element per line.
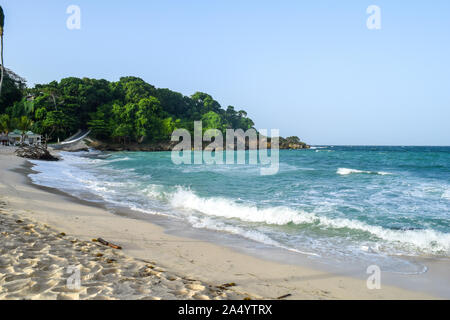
<point>340,204</point>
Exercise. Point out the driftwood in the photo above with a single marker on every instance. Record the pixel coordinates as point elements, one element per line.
<point>36,152</point>
<point>109,244</point>
<point>227,285</point>
<point>285,296</point>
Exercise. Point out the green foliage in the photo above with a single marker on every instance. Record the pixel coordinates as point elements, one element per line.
<point>293,139</point>
<point>6,123</point>
<point>204,103</point>
<point>168,125</point>
<point>13,90</point>
<point>211,120</point>
<point>53,124</point>
<point>238,119</point>
<point>40,113</point>
<point>148,120</point>
<point>123,132</point>
<point>293,142</point>
<point>24,124</point>
<point>21,108</point>
<point>100,125</point>
<point>127,111</point>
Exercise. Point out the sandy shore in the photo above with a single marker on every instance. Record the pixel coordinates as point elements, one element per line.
<point>153,264</point>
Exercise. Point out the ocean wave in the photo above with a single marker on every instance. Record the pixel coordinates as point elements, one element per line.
<point>346,171</point>
<point>208,223</point>
<point>425,240</point>
<point>221,207</point>
<point>446,195</point>
<point>116,159</point>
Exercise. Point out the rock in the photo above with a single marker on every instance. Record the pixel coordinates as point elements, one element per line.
<point>36,152</point>
<point>292,143</point>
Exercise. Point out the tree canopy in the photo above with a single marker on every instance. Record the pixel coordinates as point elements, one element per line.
<point>13,90</point>
<point>128,111</point>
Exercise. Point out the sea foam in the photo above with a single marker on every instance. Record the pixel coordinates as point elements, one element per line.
<point>426,241</point>
<point>346,171</point>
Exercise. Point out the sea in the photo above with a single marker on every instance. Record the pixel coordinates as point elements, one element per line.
<point>380,205</point>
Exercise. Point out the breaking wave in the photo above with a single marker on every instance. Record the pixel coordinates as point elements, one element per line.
<point>346,171</point>
<point>426,241</point>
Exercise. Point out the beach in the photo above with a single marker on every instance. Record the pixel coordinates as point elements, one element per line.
<point>43,232</point>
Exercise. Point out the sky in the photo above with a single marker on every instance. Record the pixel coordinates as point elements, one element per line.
<point>308,68</point>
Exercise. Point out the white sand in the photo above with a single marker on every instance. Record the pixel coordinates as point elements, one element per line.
<point>211,265</point>
<point>35,263</point>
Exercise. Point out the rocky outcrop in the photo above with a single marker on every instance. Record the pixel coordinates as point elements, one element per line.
<point>154,146</point>
<point>35,152</point>
<point>292,143</point>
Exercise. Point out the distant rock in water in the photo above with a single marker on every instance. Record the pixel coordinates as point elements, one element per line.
<point>36,152</point>
<point>292,143</point>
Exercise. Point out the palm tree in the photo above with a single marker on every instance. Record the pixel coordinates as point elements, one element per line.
<point>6,124</point>
<point>24,124</point>
<point>2,24</point>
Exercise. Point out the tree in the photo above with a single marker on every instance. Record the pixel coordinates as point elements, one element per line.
<point>148,121</point>
<point>128,110</point>
<point>211,120</point>
<point>52,92</point>
<point>242,113</point>
<point>246,123</point>
<point>174,103</point>
<point>55,122</point>
<point>122,121</point>
<point>13,90</point>
<point>205,103</point>
<point>122,132</point>
<point>293,139</point>
<point>21,108</point>
<point>101,125</point>
<point>133,89</point>
<point>24,124</point>
<point>231,117</point>
<point>2,25</point>
<point>6,124</point>
<point>168,126</point>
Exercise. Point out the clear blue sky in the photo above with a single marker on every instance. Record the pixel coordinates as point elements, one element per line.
<point>309,68</point>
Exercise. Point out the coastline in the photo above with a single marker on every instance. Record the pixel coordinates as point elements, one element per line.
<point>284,144</point>
<point>193,259</point>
